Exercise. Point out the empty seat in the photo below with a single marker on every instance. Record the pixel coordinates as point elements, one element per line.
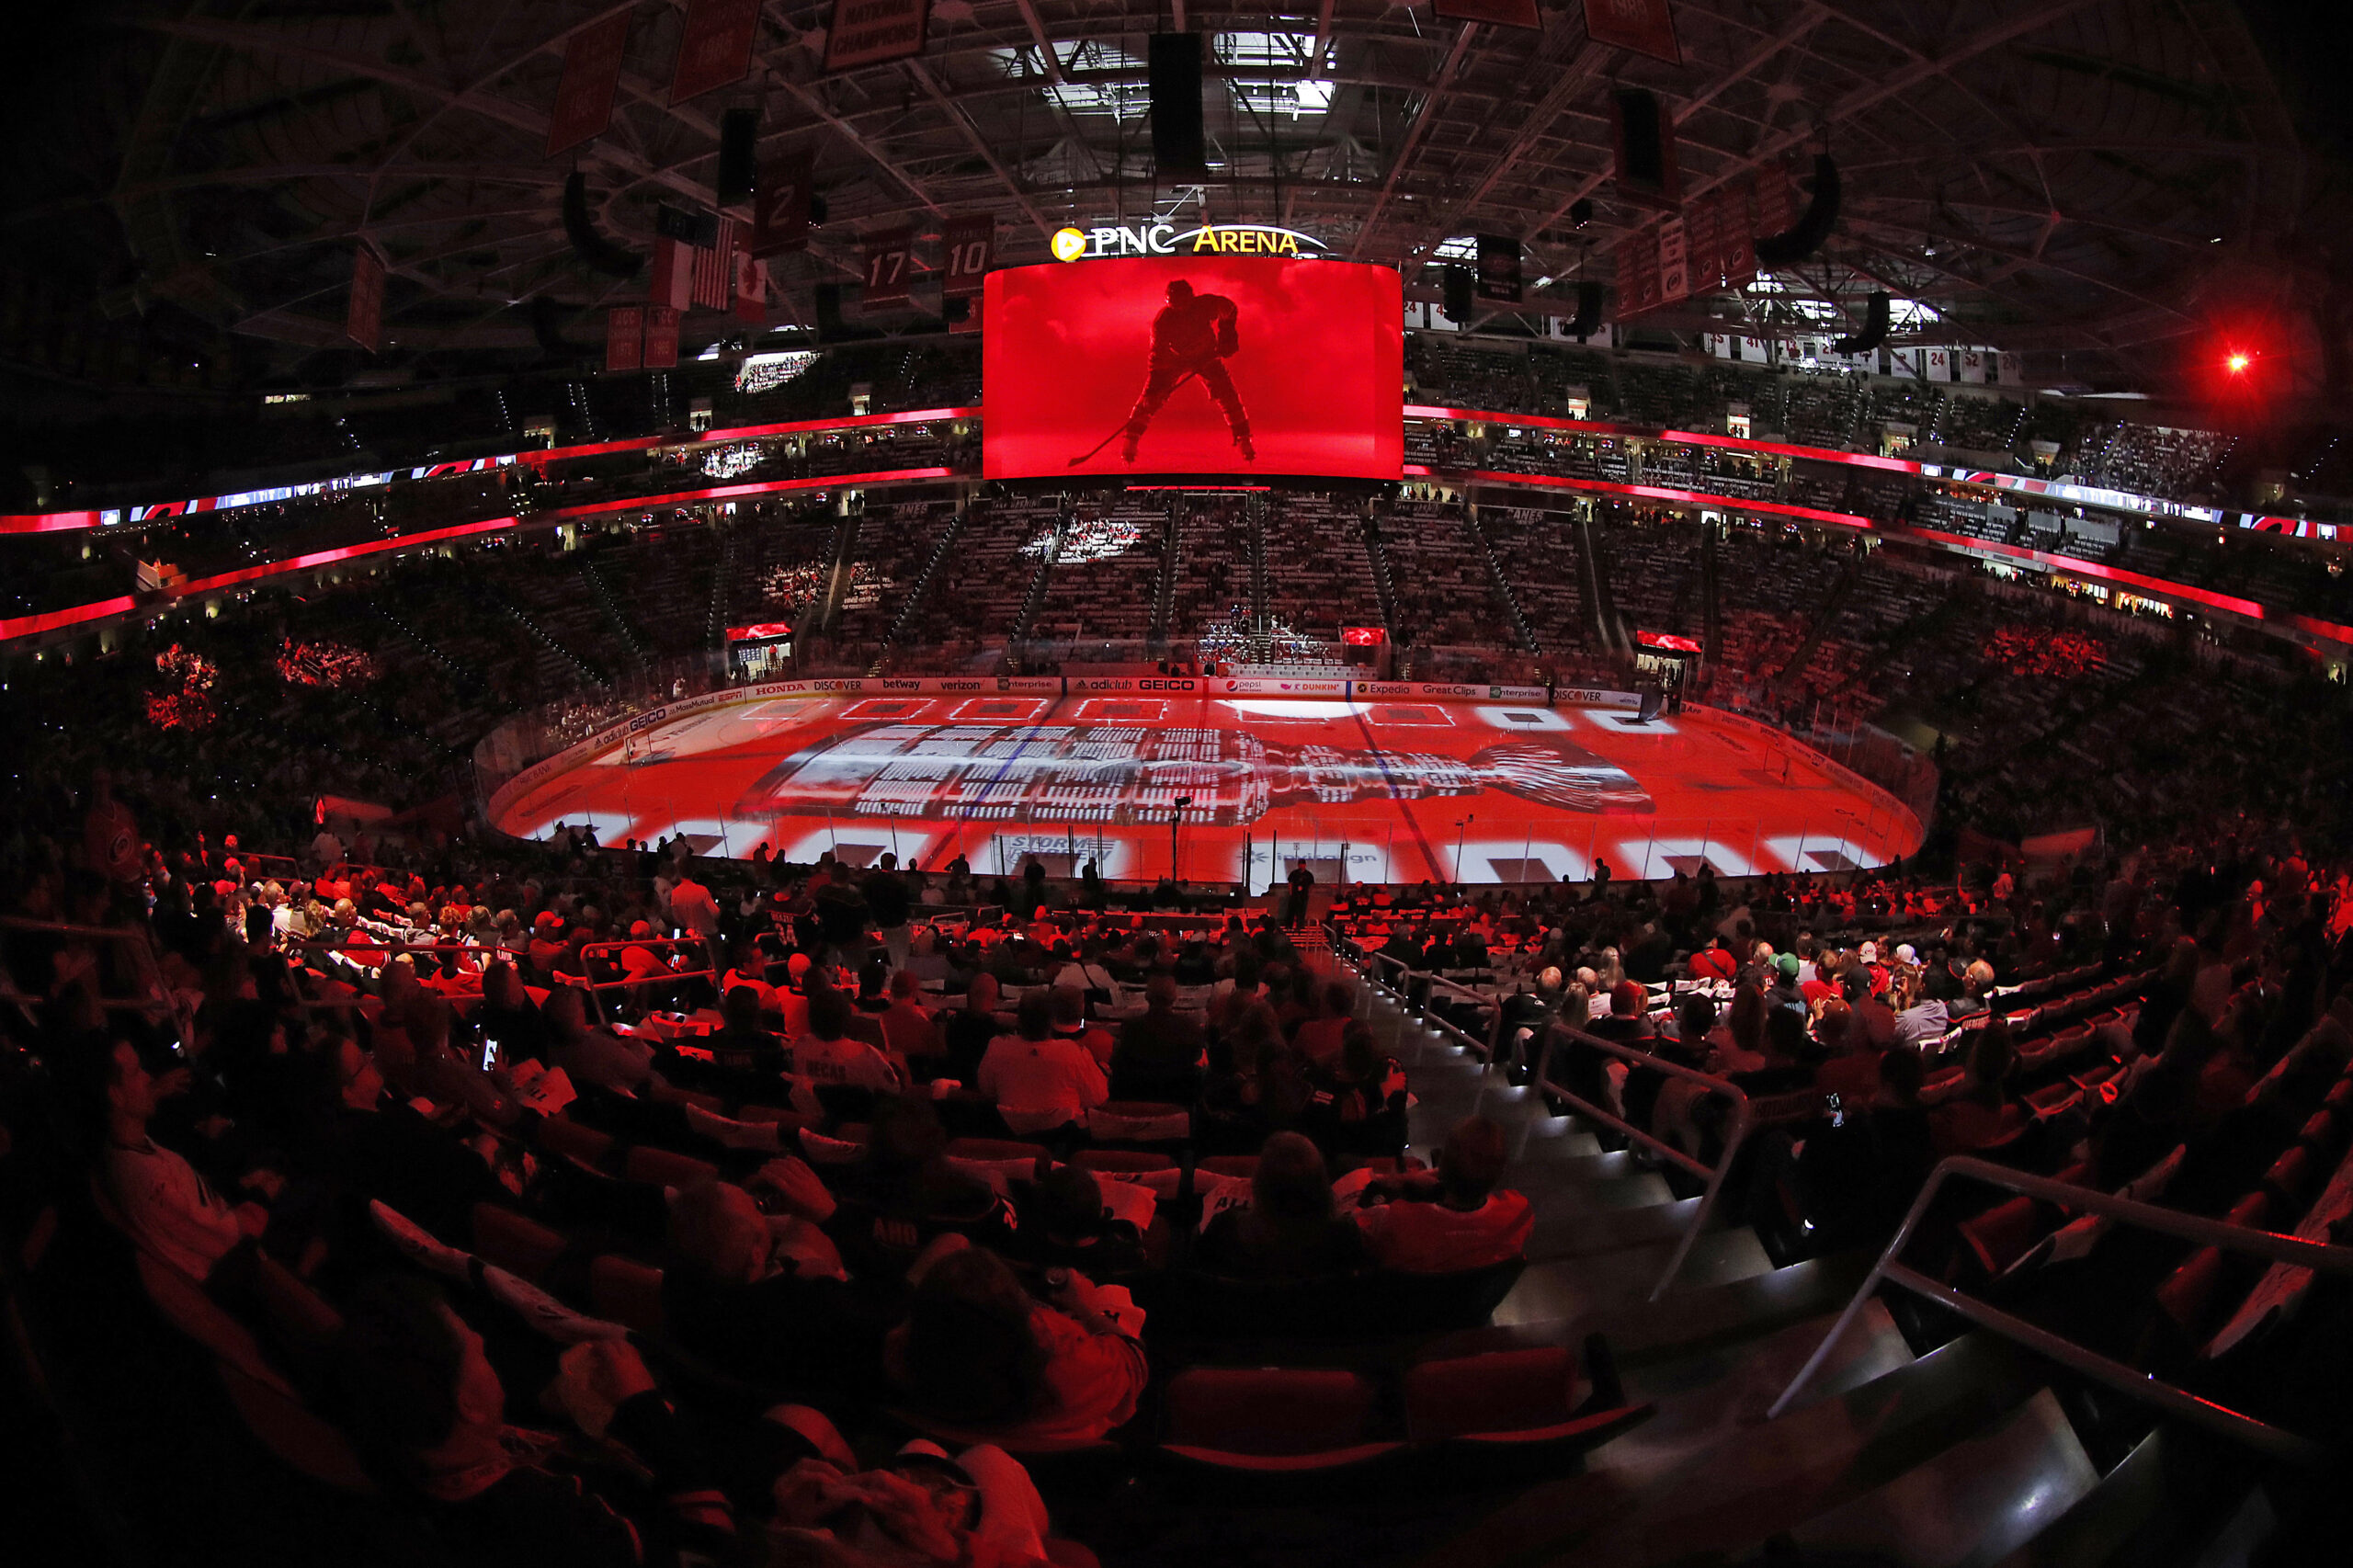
<point>1272,1420</point>
<point>1508,1398</point>
<point>521,1247</point>
<point>626,1292</point>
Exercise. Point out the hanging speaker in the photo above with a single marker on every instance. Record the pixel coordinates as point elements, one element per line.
<point>1174,75</point>
<point>1460,286</point>
<point>1874,331</point>
<point>1804,237</point>
<point>1647,168</point>
<point>1588,317</point>
<point>591,248</point>
<point>739,132</point>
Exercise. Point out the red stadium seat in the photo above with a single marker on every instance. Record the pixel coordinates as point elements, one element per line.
<point>664,1167</point>
<point>585,1144</point>
<point>1516,1399</point>
<point>626,1292</point>
<point>1271,1420</point>
<point>521,1247</point>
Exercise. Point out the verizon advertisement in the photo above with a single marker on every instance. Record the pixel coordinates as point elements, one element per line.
<point>1214,365</point>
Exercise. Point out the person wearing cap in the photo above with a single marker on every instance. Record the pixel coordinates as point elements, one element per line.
<point>1714,961</point>
<point>1784,992</point>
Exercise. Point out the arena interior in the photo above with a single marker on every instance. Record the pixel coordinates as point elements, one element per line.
<point>968,783</point>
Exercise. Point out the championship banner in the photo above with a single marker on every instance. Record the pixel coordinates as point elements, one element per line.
<point>583,94</point>
<point>1674,261</point>
<point>624,337</point>
<point>780,207</point>
<point>716,47</point>
<point>661,337</point>
<point>1703,257</point>
<point>868,32</point>
<point>1499,274</point>
<point>1646,27</point>
<point>1495,12</point>
<point>1735,236</point>
<point>970,244</point>
<point>1638,280</point>
<point>971,318</point>
<point>363,319</point>
<point>887,267</point>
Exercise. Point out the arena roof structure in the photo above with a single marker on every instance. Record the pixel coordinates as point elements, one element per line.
<point>2071,179</point>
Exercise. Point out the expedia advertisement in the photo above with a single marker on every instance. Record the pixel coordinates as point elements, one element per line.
<point>1195,365</point>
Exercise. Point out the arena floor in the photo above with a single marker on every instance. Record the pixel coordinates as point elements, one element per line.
<point>1362,791</point>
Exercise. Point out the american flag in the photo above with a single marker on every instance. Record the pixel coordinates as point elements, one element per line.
<point>714,282</point>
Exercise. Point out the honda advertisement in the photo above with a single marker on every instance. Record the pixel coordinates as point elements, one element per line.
<point>1227,366</point>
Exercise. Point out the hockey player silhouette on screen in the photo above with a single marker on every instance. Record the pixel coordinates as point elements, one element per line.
<point>1192,335</point>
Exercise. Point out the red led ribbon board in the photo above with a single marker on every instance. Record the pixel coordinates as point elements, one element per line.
<point>1173,365</point>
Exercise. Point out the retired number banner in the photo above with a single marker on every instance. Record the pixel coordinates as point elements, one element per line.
<point>888,263</point>
<point>968,243</point>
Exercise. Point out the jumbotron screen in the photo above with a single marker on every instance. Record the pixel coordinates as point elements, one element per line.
<point>1239,365</point>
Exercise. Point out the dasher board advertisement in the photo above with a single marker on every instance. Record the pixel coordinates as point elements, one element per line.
<point>1243,366</point>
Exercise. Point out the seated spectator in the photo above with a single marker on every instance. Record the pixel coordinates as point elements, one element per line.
<point>1850,1068</point>
<point>828,1055</point>
<point>1981,1112</point>
<point>978,1353</point>
<point>909,1034</point>
<point>1064,1224</point>
<point>595,1058</point>
<point>1070,1022</point>
<point>164,1206</point>
<point>1319,1037</point>
<point>1453,1220</point>
<point>1874,1025</point>
<point>742,1044</point>
<point>765,1297</point>
<point>968,1031</point>
<point>1628,1022</point>
<point>902,1194</point>
<point>1040,1080</point>
<point>426,1411</point>
<point>1714,961</point>
<point>1860,1168</point>
<point>510,1022</point>
<point>1159,1055</point>
<point>367,1144</point>
<point>1289,1229</point>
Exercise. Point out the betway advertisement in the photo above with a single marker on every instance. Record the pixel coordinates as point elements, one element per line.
<point>1225,366</point>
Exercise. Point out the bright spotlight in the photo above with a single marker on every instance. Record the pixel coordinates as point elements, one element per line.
<point>2238,362</point>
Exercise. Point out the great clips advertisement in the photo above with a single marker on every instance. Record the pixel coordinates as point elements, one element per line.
<point>1228,366</point>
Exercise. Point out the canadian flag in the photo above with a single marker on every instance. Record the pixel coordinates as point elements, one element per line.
<point>751,288</point>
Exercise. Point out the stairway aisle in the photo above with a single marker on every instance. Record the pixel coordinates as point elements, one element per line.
<point>1960,1456</point>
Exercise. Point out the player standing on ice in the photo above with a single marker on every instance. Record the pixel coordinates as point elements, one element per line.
<point>1193,334</point>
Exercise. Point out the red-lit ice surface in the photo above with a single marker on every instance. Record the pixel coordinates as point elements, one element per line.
<point>1370,791</point>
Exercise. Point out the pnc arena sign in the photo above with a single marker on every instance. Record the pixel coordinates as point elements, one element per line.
<point>1166,239</point>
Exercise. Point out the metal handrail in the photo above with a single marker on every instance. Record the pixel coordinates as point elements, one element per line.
<point>2220,1418</point>
<point>1741,1123</point>
<point>161,998</point>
